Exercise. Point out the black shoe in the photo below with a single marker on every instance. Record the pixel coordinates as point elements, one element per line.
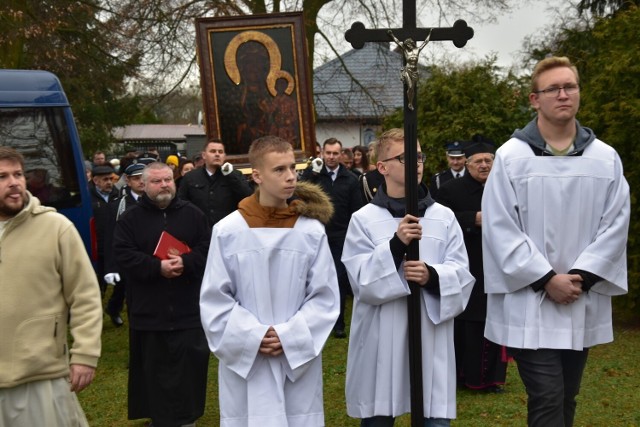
<point>494,389</point>
<point>116,320</point>
<point>339,333</point>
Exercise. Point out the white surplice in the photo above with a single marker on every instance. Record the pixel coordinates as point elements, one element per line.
<point>378,362</point>
<point>261,277</point>
<point>553,212</point>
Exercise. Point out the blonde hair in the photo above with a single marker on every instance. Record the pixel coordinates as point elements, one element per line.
<point>372,152</point>
<point>264,145</point>
<point>549,64</point>
<point>386,139</point>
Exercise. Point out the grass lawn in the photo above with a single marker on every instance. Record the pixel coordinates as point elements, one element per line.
<point>610,394</point>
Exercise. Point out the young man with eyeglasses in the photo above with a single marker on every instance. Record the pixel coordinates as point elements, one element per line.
<point>377,386</point>
<point>555,222</point>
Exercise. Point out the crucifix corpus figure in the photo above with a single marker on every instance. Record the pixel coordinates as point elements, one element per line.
<point>441,398</point>
<point>409,73</point>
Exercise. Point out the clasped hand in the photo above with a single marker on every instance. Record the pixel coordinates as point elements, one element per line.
<point>564,288</point>
<point>172,267</point>
<point>271,345</point>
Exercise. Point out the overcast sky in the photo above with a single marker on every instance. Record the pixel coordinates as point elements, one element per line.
<point>506,36</point>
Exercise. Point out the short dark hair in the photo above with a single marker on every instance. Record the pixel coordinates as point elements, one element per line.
<point>12,155</point>
<point>212,141</point>
<point>347,152</point>
<point>331,141</point>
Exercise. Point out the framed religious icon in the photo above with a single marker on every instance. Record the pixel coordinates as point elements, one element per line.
<point>255,78</point>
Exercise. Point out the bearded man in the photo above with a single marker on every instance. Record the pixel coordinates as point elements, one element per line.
<point>47,288</point>
<point>168,352</point>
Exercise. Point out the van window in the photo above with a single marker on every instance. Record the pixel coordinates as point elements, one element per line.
<point>41,135</point>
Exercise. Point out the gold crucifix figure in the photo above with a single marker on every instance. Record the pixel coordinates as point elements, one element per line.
<point>409,73</point>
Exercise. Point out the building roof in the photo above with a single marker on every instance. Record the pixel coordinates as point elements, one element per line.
<point>369,88</point>
<point>143,133</point>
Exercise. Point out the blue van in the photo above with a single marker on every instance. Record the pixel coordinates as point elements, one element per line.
<point>36,119</point>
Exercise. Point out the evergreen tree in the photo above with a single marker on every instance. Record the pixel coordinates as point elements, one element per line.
<point>458,101</point>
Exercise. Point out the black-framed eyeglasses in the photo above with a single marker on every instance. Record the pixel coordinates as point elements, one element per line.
<point>400,157</point>
<point>554,91</point>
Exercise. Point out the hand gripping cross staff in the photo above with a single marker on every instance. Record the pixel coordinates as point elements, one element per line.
<point>409,73</point>
<point>358,35</point>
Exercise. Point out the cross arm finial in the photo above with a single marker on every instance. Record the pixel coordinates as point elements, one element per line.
<point>459,34</point>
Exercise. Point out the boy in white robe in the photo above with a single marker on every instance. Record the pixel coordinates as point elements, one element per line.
<point>270,297</point>
<point>377,386</point>
<point>555,213</point>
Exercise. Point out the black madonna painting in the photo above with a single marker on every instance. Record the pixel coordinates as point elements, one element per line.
<point>255,80</point>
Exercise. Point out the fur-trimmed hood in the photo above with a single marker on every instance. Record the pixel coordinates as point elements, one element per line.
<point>309,200</point>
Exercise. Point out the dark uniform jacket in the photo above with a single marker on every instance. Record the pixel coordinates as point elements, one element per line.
<point>464,197</point>
<point>370,183</point>
<point>216,195</point>
<point>100,215</point>
<point>155,302</point>
<point>439,179</point>
<point>115,209</point>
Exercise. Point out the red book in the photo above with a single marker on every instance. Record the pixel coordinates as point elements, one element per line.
<point>167,244</point>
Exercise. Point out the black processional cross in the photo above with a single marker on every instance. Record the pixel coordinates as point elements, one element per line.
<point>460,33</point>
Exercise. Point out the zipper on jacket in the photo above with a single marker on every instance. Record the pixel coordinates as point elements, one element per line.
<point>55,329</point>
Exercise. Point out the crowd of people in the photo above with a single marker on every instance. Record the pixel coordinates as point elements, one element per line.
<point>517,261</point>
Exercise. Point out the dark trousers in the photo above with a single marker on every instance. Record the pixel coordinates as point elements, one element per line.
<point>343,284</point>
<point>116,302</point>
<point>335,245</point>
<point>386,421</point>
<point>552,380</point>
<point>99,267</point>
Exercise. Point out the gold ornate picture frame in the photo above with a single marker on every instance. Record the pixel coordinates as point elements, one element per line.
<point>255,79</point>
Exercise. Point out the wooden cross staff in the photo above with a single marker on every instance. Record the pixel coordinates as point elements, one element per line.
<point>460,33</point>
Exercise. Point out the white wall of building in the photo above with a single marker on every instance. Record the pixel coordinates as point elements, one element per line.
<point>350,134</point>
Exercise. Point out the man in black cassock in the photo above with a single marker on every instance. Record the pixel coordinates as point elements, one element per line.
<point>168,351</point>
<point>480,363</point>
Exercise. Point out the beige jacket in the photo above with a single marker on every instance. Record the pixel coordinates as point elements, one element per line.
<point>47,284</point>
